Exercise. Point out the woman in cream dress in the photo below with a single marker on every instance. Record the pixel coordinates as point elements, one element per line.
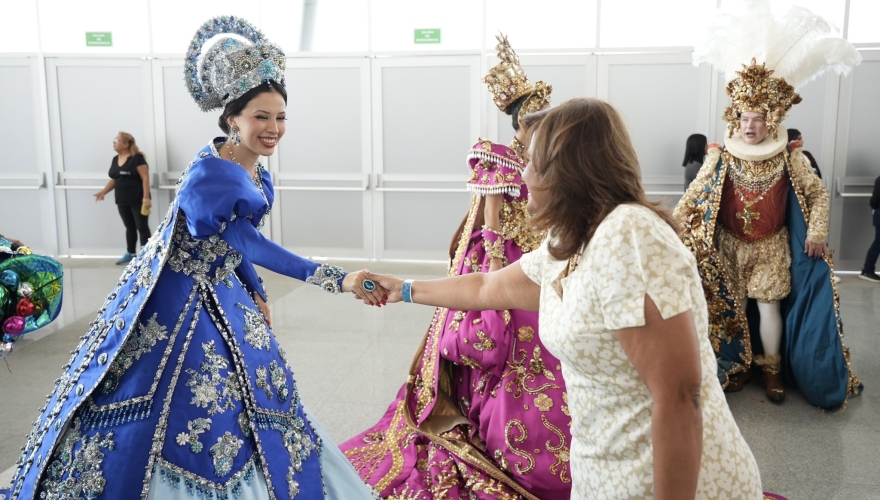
<point>621,305</point>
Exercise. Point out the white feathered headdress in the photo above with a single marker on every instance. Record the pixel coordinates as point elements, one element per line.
<point>748,43</point>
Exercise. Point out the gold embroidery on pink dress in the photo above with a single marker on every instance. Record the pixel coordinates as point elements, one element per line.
<point>392,442</point>
<point>519,372</point>
<point>537,364</point>
<point>560,451</point>
<point>485,343</point>
<point>543,402</point>
<point>523,434</point>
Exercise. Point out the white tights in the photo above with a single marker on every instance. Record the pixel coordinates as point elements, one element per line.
<point>771,327</point>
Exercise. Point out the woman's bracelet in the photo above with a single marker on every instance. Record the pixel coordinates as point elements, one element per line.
<point>406,291</point>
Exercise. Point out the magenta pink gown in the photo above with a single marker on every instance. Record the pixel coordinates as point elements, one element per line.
<point>484,412</point>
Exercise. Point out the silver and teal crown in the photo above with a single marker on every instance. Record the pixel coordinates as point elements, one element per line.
<point>238,58</point>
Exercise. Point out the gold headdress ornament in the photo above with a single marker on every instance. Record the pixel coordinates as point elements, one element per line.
<point>795,47</point>
<point>755,90</point>
<point>508,82</point>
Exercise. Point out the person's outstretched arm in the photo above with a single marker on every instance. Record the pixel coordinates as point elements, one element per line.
<point>248,240</point>
<point>508,288</point>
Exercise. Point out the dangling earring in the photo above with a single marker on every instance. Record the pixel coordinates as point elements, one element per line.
<point>235,138</point>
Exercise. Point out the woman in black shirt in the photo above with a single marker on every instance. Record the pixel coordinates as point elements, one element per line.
<point>129,177</point>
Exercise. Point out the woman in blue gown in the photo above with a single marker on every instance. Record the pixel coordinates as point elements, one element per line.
<point>179,389</point>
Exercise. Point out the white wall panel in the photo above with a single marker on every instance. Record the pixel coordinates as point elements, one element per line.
<point>26,209</point>
<point>427,119</point>
<point>323,206</point>
<point>187,129</point>
<point>663,99</point>
<point>90,102</point>
<point>421,225</point>
<point>861,161</point>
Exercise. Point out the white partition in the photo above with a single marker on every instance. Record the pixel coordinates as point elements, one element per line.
<point>27,213</point>
<point>182,129</point>
<point>322,203</point>
<point>426,115</point>
<point>856,164</point>
<point>90,101</point>
<point>663,99</point>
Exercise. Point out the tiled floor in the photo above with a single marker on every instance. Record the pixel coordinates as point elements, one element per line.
<point>350,360</point>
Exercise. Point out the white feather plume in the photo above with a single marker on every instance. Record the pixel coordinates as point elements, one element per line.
<point>797,45</point>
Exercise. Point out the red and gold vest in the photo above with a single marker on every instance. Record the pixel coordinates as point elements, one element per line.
<point>753,199</point>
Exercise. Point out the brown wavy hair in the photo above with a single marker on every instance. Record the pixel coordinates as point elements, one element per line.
<point>585,161</point>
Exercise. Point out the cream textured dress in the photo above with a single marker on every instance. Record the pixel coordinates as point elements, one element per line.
<point>633,253</point>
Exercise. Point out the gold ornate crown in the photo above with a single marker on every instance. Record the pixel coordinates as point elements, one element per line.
<point>756,91</point>
<point>508,82</point>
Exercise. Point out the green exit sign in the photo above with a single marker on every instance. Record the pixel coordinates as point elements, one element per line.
<point>427,36</point>
<point>99,39</point>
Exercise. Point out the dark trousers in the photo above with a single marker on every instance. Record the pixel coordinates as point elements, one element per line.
<point>874,249</point>
<point>135,224</point>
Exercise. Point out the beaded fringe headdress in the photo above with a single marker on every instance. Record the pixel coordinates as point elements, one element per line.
<point>508,82</point>
<point>226,58</point>
<point>766,57</point>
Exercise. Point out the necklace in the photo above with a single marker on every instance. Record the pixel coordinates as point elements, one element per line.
<point>756,175</point>
<point>257,175</point>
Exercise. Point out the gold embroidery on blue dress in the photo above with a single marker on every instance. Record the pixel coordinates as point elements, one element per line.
<point>255,331</point>
<point>76,472</point>
<point>210,389</point>
<point>191,438</point>
<point>223,452</point>
<point>148,335</point>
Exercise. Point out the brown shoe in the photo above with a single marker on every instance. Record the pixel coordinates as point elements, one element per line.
<point>770,367</point>
<point>736,381</point>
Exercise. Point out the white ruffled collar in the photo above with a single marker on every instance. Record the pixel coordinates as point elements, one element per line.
<point>757,152</point>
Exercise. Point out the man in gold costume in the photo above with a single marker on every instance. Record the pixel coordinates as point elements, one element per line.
<point>756,216</point>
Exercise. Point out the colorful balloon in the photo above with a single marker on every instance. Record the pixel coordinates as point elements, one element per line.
<point>13,325</point>
<point>4,296</point>
<point>25,307</point>
<point>9,279</point>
